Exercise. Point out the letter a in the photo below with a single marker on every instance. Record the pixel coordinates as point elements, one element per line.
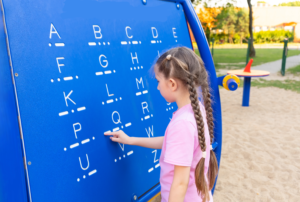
<point>53,31</point>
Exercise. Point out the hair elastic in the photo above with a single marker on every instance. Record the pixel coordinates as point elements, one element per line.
<point>204,154</point>
<point>169,57</point>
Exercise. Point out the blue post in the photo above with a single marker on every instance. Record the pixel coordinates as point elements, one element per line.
<point>246,91</point>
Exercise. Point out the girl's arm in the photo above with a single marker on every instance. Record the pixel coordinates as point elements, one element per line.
<point>180,183</point>
<point>121,137</point>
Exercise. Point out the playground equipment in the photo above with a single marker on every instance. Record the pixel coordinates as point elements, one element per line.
<point>284,55</point>
<point>73,69</point>
<point>248,73</point>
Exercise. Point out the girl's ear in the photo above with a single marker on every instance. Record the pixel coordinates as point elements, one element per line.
<point>173,84</point>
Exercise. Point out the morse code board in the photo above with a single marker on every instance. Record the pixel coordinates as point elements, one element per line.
<point>83,67</point>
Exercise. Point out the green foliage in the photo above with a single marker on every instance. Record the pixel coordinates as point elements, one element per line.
<point>226,20</point>
<point>234,23</point>
<point>272,36</point>
<point>295,3</point>
<point>241,25</point>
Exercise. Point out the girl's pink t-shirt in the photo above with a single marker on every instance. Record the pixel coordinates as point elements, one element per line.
<point>181,147</point>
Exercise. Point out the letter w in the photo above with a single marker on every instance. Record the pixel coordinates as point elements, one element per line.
<point>149,132</point>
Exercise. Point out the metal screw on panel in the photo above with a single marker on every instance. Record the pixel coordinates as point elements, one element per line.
<point>177,5</point>
<point>16,74</point>
<point>144,1</point>
<point>29,162</point>
<point>135,197</point>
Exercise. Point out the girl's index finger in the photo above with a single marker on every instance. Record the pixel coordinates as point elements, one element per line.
<point>108,133</point>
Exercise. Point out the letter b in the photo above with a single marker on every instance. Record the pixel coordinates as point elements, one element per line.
<point>97,32</point>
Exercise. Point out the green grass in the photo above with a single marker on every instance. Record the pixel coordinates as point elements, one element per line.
<point>239,55</point>
<point>286,84</point>
<point>295,70</point>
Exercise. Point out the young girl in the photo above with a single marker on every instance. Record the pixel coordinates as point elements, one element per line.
<point>186,147</point>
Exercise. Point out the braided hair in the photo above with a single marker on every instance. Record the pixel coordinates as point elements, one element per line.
<point>182,63</point>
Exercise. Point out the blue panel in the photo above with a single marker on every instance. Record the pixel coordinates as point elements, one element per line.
<point>12,175</point>
<point>74,84</point>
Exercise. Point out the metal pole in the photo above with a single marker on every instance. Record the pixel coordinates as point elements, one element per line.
<point>248,50</point>
<point>246,91</point>
<point>284,54</point>
<point>212,46</point>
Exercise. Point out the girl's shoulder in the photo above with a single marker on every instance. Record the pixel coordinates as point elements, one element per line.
<point>186,118</point>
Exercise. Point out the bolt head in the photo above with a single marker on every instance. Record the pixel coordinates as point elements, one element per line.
<point>177,5</point>
<point>135,197</point>
<point>144,1</point>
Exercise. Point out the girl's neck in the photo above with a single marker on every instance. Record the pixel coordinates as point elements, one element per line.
<point>183,99</point>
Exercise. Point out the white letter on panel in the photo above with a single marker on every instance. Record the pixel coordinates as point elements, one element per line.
<point>174,33</point>
<point>155,152</point>
<point>108,92</point>
<point>76,130</point>
<point>88,163</point>
<point>105,61</point>
<point>134,58</point>
<point>97,32</point>
<point>119,118</point>
<point>68,97</point>
<point>145,106</point>
<point>150,132</point>
<point>155,35</point>
<point>53,31</point>
<point>139,81</point>
<point>58,64</point>
<point>126,29</point>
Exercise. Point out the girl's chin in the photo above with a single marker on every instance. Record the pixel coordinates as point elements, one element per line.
<point>169,100</point>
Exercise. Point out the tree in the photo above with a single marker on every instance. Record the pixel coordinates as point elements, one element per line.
<point>208,16</point>
<point>252,50</point>
<point>227,20</point>
<point>241,24</point>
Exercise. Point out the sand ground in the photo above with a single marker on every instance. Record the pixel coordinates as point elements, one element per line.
<point>261,147</point>
<point>261,150</point>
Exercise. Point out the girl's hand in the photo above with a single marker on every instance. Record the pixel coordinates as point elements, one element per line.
<point>119,137</point>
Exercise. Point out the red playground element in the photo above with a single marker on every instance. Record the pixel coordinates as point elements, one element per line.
<point>248,67</point>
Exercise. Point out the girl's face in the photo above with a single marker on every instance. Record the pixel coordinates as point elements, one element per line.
<point>165,86</point>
